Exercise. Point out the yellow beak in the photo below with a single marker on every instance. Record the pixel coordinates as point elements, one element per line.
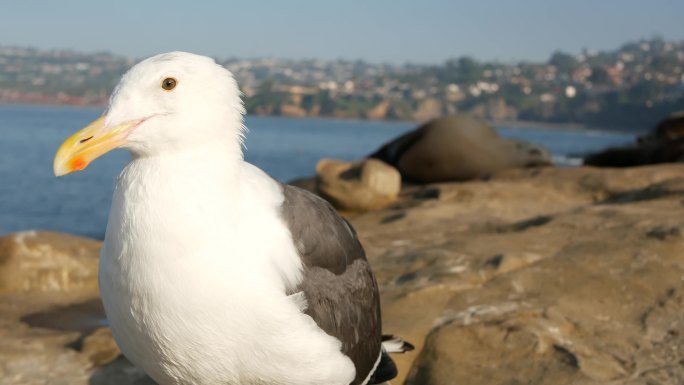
<point>93,141</point>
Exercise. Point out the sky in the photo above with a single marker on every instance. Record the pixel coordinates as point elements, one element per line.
<point>391,31</point>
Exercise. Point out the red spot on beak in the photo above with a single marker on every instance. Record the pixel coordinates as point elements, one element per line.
<point>78,164</point>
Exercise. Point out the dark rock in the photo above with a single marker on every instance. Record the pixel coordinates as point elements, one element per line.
<point>639,154</point>
<point>666,232</point>
<point>394,217</point>
<point>84,317</point>
<point>120,372</point>
<point>670,128</point>
<point>457,148</point>
<point>664,144</point>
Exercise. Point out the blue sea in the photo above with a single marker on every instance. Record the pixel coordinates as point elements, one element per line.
<point>32,198</point>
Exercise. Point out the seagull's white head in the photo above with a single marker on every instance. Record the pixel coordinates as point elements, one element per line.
<point>168,102</point>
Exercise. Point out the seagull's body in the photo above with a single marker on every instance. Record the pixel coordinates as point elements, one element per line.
<point>211,271</point>
<point>201,296</point>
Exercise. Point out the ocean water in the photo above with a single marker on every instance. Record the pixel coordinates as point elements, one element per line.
<point>32,198</point>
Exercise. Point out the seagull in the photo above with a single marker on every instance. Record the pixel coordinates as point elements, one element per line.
<point>212,272</point>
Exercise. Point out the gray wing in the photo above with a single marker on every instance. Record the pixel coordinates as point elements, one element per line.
<point>340,289</point>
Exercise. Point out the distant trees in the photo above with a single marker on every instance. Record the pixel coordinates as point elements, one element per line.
<point>464,70</point>
<point>564,62</point>
<point>599,76</point>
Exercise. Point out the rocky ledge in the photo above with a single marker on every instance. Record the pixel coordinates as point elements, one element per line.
<point>543,276</point>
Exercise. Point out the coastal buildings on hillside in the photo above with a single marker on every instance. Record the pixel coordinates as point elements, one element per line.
<point>631,86</point>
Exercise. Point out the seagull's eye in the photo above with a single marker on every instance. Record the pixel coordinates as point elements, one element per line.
<point>169,84</point>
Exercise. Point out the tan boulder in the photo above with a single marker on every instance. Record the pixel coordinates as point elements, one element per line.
<point>40,261</point>
<point>100,347</point>
<point>358,186</point>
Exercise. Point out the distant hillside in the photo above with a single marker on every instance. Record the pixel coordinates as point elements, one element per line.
<point>633,86</point>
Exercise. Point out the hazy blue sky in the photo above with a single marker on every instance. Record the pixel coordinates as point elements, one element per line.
<point>377,30</point>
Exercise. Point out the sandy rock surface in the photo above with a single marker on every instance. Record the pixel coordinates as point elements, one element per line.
<point>549,276</point>
<point>33,261</point>
<point>52,325</point>
<point>539,276</point>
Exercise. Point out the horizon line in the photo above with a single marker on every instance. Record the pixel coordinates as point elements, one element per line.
<point>340,59</point>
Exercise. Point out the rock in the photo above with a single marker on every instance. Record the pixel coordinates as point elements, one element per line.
<point>83,317</point>
<point>33,261</point>
<point>664,144</point>
<point>51,319</point>
<point>542,276</point>
<point>457,148</point>
<point>120,372</point>
<point>639,154</point>
<point>360,186</point>
<point>36,355</point>
<point>100,347</point>
<point>40,358</point>
<point>49,338</point>
<point>548,276</point>
<point>96,342</point>
<point>670,128</point>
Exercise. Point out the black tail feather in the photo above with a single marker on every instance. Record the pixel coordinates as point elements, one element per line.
<point>385,371</point>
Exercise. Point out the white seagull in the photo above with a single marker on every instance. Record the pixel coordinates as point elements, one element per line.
<point>211,272</point>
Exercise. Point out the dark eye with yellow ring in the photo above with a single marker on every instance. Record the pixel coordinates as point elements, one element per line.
<point>169,84</point>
